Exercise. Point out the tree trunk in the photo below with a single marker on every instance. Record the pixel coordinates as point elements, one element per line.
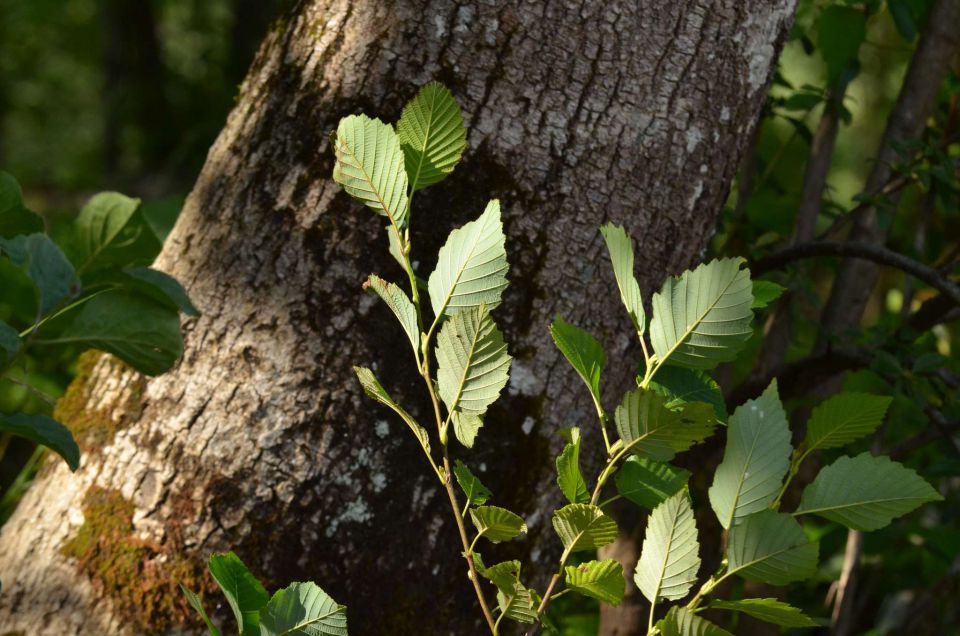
<point>261,440</point>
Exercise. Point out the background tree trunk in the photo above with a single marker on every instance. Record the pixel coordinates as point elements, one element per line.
<point>261,440</point>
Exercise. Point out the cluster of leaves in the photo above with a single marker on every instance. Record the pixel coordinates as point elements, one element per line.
<point>300,609</point>
<point>699,319</point>
<point>93,289</point>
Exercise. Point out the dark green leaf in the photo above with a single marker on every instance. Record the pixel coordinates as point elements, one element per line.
<point>196,604</point>
<point>584,354</point>
<point>770,547</point>
<point>840,32</point>
<point>45,431</point>
<point>14,218</point>
<point>110,231</point>
<point>765,292</point>
<point>649,483</point>
<point>569,477</point>
<point>142,333</point>
<point>477,494</point>
<point>689,385</point>
<point>9,342</point>
<point>45,264</point>
<point>768,609</point>
<point>649,429</point>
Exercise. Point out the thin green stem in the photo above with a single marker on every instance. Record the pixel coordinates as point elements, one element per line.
<point>496,625</point>
<point>653,606</point>
<point>474,542</point>
<point>60,312</point>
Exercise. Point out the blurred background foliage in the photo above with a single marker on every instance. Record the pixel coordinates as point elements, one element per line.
<point>128,95</point>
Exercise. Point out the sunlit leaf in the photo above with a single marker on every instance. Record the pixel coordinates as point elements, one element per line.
<point>845,418</point>
<point>602,580</point>
<point>466,426</point>
<point>370,166</point>
<point>703,317</point>
<point>620,247</point>
<point>303,609</point>
<point>768,609</point>
<point>584,354</point>
<point>584,527</point>
<point>432,135</point>
<point>471,267</point>
<point>680,621</point>
<point>649,429</point>
<point>755,460</point>
<point>865,492</point>
<point>670,559</point>
<point>110,231</point>
<point>765,292</point>
<point>373,389</point>
<point>569,477</point>
<point>401,306</point>
<point>245,594</point>
<point>497,524</point>
<point>770,547</point>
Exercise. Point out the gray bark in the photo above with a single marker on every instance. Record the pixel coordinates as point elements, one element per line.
<point>261,440</point>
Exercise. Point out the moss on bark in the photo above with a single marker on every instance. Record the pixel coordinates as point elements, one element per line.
<point>140,576</point>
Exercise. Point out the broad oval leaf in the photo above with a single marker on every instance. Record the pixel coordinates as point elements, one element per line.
<point>46,265</point>
<point>648,428</point>
<point>703,317</point>
<point>584,527</point>
<point>373,389</point>
<point>154,284</point>
<point>105,229</point>
<point>139,331</point>
<point>370,166</point>
<point>45,431</point>
<point>569,477</point>
<point>755,460</point>
<point>477,494</point>
<point>845,418</point>
<point>497,524</point>
<point>584,353</point>
<point>865,492</point>
<point>471,267</point>
<point>770,547</point>
<point>768,609</point>
<point>670,558</point>
<point>689,385</point>
<point>620,247</point>
<point>765,292</point>
<point>602,580</point>
<point>245,594</point>
<point>303,609</point>
<point>472,361</point>
<point>466,426</point>
<point>649,483</point>
<point>680,621</point>
<point>401,306</point>
<point>432,135</point>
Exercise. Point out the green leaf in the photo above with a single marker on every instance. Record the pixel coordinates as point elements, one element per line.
<point>472,361</point>
<point>14,218</point>
<point>400,305</point>
<point>865,492</point>
<point>680,621</point>
<point>303,609</point>
<point>163,288</point>
<point>373,389</point>
<point>620,247</point>
<point>755,460</point>
<point>845,418</point>
<point>432,135</point>
<point>516,601</point>
<point>45,431</point>
<point>110,231</point>
<point>497,524</point>
<point>466,426</point>
<point>670,558</point>
<point>9,343</point>
<point>471,267</point>
<point>477,494</point>
<point>370,166</point>
<point>840,32</point>
<point>584,527</point>
<point>649,429</point>
<point>244,592</point>
<point>45,264</point>
<point>768,609</point>
<point>689,385</point>
<point>196,604</point>
<point>140,332</point>
<point>569,477</point>
<point>770,547</point>
<point>703,317</point>
<point>602,580</point>
<point>649,483</point>
<point>584,354</point>
<point>765,292</point>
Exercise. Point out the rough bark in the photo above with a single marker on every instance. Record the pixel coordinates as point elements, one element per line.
<point>261,440</point>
